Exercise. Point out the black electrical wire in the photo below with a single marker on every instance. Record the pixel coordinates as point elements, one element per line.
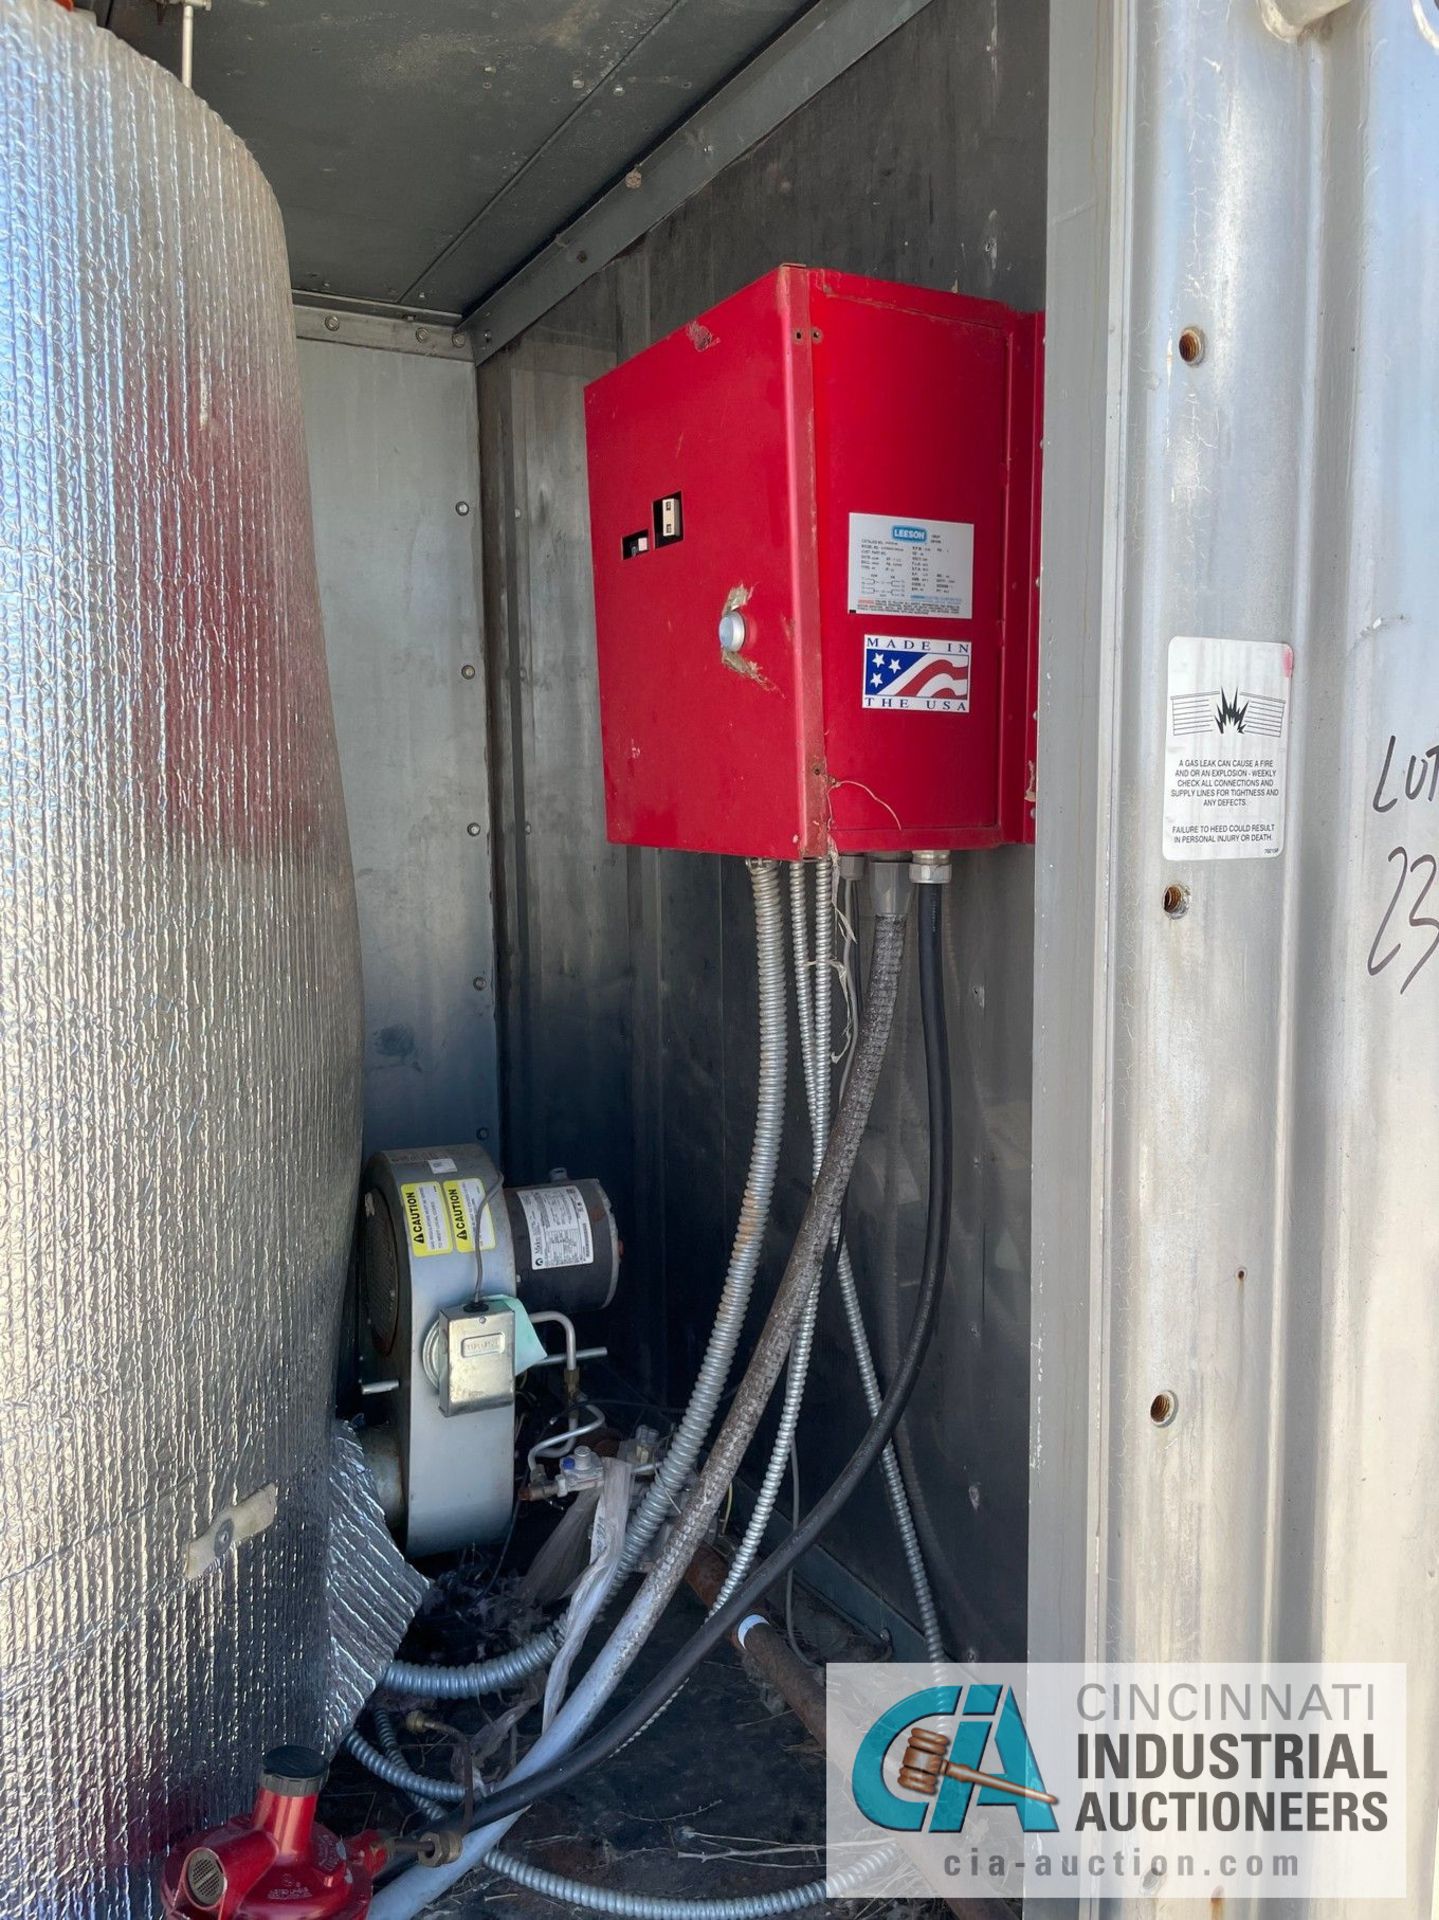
<point>610,1738</point>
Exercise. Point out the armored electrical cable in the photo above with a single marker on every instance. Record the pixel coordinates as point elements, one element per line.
<point>812,1000</point>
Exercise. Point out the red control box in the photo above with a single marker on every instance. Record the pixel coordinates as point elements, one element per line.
<point>815,516</point>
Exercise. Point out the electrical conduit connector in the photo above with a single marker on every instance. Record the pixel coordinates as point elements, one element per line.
<point>889,884</point>
<point>930,869</point>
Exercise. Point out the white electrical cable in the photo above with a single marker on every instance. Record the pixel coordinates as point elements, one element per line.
<point>607,1539</point>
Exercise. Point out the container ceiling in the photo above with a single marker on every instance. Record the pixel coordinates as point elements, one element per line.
<point>424,150</point>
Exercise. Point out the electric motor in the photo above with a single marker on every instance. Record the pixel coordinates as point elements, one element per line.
<point>452,1262</point>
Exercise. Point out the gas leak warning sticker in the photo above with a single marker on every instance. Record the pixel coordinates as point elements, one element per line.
<point>465,1204</point>
<point>559,1225</point>
<point>1226,743</point>
<point>427,1219</point>
<point>918,569</point>
<point>916,676</point>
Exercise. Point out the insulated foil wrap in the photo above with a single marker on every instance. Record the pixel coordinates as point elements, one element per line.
<point>371,1590</point>
<point>179,993</point>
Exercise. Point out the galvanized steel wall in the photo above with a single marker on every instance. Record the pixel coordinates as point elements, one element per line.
<point>393,445</point>
<point>179,1037</point>
<point>1238,1108</point>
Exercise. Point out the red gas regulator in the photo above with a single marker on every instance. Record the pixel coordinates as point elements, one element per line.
<point>277,1863</point>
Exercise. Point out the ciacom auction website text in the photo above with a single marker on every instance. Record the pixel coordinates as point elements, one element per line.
<point>1124,1781</point>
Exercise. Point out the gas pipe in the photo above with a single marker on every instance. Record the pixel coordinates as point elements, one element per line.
<point>277,1863</point>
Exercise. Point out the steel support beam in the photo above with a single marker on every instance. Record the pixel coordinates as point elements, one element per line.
<point>820,46</point>
<point>336,326</point>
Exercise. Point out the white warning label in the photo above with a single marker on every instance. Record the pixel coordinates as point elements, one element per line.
<point>475,1210</point>
<point>559,1226</point>
<point>1225,746</point>
<point>915,568</point>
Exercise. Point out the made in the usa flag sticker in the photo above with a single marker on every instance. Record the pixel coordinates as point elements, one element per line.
<point>916,676</point>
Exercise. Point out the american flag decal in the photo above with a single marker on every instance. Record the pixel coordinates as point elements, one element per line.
<point>929,676</point>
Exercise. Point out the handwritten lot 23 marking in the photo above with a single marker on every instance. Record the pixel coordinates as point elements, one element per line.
<point>1421,782</point>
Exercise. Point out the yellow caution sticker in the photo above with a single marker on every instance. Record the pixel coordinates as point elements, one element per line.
<point>459,1217</point>
<point>427,1219</point>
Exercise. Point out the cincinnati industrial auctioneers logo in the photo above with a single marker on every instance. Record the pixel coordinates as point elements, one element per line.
<point>1120,1781</point>
<point>946,1768</point>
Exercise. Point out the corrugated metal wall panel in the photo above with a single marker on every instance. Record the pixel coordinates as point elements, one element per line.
<point>1235,1199</point>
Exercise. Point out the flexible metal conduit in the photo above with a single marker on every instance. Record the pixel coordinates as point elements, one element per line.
<point>414,1890</point>
<point>812,999</point>
<point>484,1676</point>
<point>390,1745</point>
<point>813,993</point>
<point>421,1787</point>
<point>669,1482</point>
<point>649,1906</point>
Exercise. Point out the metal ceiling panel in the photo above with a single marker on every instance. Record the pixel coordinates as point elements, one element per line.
<point>421,153</point>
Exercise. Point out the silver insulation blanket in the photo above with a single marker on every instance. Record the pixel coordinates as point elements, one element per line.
<point>179,991</point>
<point>371,1591</point>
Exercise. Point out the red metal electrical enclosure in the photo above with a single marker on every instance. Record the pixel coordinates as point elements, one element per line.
<point>815,525</point>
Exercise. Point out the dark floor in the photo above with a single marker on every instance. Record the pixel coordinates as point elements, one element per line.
<point>723,1795</point>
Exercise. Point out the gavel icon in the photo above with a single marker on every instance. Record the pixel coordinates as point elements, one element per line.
<point>925,1764</point>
